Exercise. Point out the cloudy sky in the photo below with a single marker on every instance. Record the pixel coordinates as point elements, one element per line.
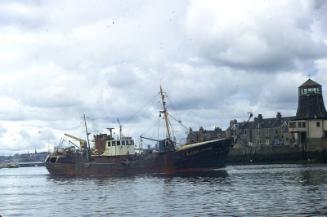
<point>217,60</point>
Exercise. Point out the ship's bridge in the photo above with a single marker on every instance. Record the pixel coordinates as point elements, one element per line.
<point>116,147</point>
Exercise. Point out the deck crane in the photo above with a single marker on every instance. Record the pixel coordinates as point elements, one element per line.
<point>82,142</point>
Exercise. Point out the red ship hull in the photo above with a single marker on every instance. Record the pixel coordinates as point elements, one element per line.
<point>190,158</point>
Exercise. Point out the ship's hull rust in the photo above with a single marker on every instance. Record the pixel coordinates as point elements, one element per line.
<point>203,157</point>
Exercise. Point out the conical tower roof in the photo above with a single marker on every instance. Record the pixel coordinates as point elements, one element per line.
<point>310,83</point>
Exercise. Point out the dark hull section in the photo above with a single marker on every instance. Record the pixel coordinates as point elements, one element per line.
<point>191,158</point>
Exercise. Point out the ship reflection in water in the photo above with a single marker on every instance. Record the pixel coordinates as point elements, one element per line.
<point>268,190</point>
<point>219,173</point>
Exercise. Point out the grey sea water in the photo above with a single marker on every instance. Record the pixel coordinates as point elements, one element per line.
<point>265,190</point>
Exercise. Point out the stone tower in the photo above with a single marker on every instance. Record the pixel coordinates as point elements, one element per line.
<point>311,103</point>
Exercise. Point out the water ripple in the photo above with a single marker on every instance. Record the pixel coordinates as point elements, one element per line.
<point>263,190</point>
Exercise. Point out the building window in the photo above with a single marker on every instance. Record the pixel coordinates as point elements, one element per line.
<point>298,124</point>
<point>303,124</point>
<point>318,124</point>
<point>292,124</point>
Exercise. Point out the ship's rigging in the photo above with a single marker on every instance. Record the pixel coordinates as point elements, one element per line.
<point>163,122</point>
<point>170,138</point>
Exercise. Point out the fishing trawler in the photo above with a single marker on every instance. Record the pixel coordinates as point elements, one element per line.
<point>117,156</point>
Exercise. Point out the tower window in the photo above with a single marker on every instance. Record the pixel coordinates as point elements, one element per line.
<point>318,124</point>
<point>315,90</point>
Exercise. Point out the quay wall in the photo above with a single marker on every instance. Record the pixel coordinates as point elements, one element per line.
<point>314,151</point>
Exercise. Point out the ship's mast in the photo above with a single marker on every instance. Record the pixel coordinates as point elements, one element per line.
<point>165,113</point>
<point>87,139</point>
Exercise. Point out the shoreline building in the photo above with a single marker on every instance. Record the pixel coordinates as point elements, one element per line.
<point>203,135</point>
<point>309,127</point>
<point>261,131</point>
<point>301,137</point>
<point>279,139</point>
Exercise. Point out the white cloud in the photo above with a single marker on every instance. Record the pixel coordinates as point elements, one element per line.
<point>256,34</point>
<point>217,60</point>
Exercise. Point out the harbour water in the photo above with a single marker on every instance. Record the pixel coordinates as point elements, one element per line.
<point>256,190</point>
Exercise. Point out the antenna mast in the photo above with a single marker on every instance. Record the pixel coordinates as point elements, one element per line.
<point>165,113</point>
<point>120,129</point>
